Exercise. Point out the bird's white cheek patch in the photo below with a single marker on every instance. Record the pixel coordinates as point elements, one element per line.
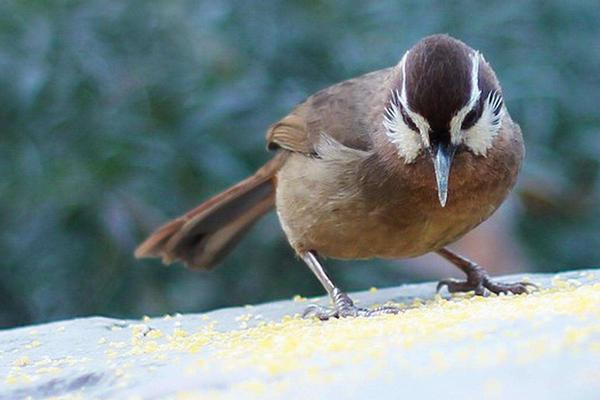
<point>480,137</point>
<point>478,141</point>
<point>407,142</point>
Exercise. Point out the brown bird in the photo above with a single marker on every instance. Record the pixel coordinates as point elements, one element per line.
<point>392,164</point>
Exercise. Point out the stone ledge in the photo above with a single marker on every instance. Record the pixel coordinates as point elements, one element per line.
<point>543,345</point>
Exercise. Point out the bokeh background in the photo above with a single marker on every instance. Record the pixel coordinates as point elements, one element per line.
<point>117,115</point>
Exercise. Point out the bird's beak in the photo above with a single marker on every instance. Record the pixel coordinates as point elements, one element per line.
<point>442,155</point>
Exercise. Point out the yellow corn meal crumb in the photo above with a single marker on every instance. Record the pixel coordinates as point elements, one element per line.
<point>179,333</point>
<point>296,351</point>
<point>154,334</point>
<point>297,298</point>
<point>244,317</point>
<point>276,348</point>
<point>18,378</point>
<point>33,344</point>
<point>139,329</point>
<point>42,362</point>
<point>47,370</point>
<point>22,361</point>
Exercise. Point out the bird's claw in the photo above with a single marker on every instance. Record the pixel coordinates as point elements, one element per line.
<point>325,313</point>
<point>344,307</point>
<point>480,282</point>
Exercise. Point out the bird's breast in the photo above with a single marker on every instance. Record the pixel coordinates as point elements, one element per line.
<point>365,208</point>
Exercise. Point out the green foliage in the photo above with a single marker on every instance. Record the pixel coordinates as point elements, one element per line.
<point>116,115</point>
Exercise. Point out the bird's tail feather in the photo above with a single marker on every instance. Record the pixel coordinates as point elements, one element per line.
<point>203,236</point>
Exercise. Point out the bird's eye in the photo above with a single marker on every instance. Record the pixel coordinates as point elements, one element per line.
<point>469,120</point>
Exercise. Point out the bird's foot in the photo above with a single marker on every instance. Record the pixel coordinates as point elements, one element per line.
<point>343,307</point>
<point>479,281</point>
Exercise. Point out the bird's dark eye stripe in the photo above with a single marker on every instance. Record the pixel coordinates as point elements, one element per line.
<point>407,120</point>
<point>396,106</point>
<point>494,100</point>
<point>469,120</point>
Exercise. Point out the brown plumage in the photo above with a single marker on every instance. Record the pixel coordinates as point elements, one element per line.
<point>354,177</point>
<point>201,237</point>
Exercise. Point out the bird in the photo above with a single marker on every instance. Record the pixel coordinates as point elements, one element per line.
<point>391,164</point>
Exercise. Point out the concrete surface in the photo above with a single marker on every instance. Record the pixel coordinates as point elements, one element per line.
<point>545,345</point>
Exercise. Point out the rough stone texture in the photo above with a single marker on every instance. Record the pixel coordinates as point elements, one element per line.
<point>544,345</point>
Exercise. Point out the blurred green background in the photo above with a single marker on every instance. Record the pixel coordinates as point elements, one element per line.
<point>117,115</point>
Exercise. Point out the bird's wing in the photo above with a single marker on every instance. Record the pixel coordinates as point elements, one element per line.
<point>346,112</point>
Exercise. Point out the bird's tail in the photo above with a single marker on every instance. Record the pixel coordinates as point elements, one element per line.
<point>203,236</point>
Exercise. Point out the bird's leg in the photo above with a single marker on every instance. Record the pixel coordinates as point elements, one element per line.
<point>343,306</point>
<point>478,278</point>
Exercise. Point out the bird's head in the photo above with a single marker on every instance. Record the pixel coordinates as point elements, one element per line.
<point>445,99</point>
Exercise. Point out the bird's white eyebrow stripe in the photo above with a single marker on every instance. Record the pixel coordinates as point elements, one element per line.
<point>421,123</point>
<point>457,119</point>
<point>475,91</point>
